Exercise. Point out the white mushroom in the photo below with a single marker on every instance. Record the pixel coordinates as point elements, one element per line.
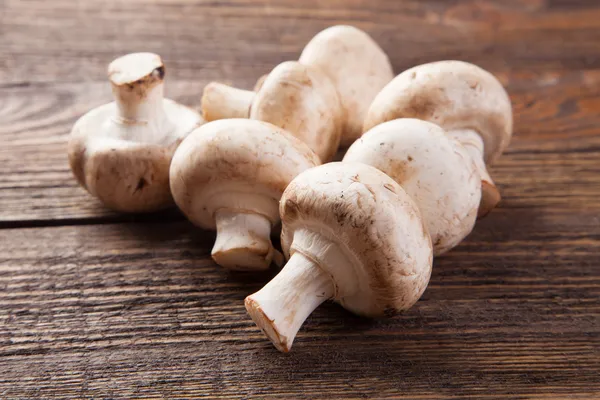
<point>121,151</point>
<point>468,102</point>
<point>294,97</point>
<point>435,171</point>
<point>304,102</point>
<point>352,235</point>
<point>356,66</point>
<point>229,175</point>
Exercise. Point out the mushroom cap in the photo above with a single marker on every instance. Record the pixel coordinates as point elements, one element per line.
<point>435,171</point>
<point>452,94</point>
<point>236,164</point>
<point>377,227</point>
<point>303,101</point>
<point>358,67</point>
<point>127,169</point>
<point>259,82</point>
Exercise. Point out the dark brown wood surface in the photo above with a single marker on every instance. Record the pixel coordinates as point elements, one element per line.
<point>97,304</point>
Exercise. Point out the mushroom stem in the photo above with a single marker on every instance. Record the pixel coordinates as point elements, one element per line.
<point>139,104</point>
<point>473,143</point>
<point>281,306</point>
<point>220,101</point>
<point>243,242</point>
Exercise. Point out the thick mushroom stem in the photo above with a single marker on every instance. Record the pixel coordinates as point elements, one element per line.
<point>281,307</point>
<point>138,103</point>
<point>220,101</point>
<point>243,242</point>
<point>473,143</point>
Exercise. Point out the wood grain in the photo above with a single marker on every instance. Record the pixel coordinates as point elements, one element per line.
<point>138,310</point>
<point>74,40</point>
<point>95,304</point>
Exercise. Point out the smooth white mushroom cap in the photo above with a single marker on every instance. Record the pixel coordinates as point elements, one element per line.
<point>435,171</point>
<point>358,67</point>
<point>236,164</point>
<point>383,252</point>
<point>304,102</point>
<point>452,94</point>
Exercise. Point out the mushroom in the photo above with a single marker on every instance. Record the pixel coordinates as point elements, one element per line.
<point>352,235</point>
<point>435,171</point>
<point>120,152</point>
<point>303,101</point>
<point>294,97</point>
<point>468,102</point>
<point>228,175</point>
<point>357,67</point>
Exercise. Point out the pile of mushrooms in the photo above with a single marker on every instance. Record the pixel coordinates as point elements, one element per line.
<point>361,232</point>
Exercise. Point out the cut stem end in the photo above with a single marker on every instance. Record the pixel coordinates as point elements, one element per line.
<point>490,197</point>
<point>266,325</point>
<point>280,308</point>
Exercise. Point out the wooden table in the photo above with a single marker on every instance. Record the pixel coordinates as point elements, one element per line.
<point>96,304</point>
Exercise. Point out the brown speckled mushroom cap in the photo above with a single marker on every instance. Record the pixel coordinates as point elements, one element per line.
<point>434,169</point>
<point>303,101</point>
<point>121,151</point>
<point>383,252</point>
<point>358,67</point>
<point>453,94</point>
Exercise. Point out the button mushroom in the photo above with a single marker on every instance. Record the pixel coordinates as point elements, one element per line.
<point>352,235</point>
<point>303,101</point>
<point>468,102</point>
<point>294,97</point>
<point>357,67</point>
<point>435,171</point>
<point>229,175</point>
<point>120,152</point>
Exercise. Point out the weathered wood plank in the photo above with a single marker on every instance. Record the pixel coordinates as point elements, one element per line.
<point>139,310</point>
<point>73,41</point>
